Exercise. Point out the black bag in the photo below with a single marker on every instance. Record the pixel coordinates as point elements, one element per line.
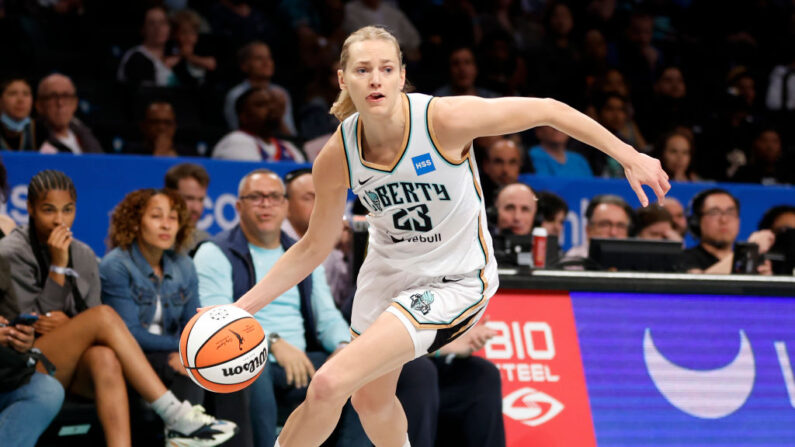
<point>16,368</point>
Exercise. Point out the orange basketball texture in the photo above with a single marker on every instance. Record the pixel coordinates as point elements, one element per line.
<point>223,348</point>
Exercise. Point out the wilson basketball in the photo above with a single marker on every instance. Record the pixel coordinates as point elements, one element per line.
<point>223,348</point>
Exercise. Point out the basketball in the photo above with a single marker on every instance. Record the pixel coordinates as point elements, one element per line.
<point>223,348</point>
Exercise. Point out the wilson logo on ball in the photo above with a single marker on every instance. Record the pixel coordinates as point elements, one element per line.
<point>253,365</point>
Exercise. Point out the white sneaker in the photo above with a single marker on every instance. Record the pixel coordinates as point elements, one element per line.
<point>195,428</point>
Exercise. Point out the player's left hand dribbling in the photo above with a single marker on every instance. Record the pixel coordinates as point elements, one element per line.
<point>645,170</point>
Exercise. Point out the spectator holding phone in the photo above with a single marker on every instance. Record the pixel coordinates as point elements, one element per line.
<point>57,277</point>
<point>29,400</point>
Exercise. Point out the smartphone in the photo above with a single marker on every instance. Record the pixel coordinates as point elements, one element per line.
<point>25,319</point>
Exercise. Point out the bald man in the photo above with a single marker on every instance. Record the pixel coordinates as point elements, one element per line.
<point>516,209</point>
<point>56,103</point>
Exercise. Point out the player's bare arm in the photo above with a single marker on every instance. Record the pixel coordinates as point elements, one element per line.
<point>460,119</point>
<point>330,177</point>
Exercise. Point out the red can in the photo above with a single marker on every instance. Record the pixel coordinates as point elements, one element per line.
<point>539,247</point>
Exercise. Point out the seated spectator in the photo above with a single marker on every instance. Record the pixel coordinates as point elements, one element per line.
<point>612,113</point>
<point>677,212</point>
<point>148,64</point>
<point>778,219</point>
<point>655,223</point>
<point>6,223</point>
<point>675,152</point>
<point>256,62</point>
<point>714,221</point>
<point>741,84</point>
<point>259,111</point>
<point>29,400</point>
<point>153,288</point>
<point>361,13</point>
<point>550,156</point>
<point>613,82</point>
<point>158,129</point>
<point>670,105</point>
<point>551,212</point>
<point>17,131</point>
<point>303,325</point>
<point>607,216</point>
<point>194,64</point>
<point>315,121</point>
<point>516,210</point>
<point>300,202</point>
<point>501,165</point>
<point>463,72</point>
<point>57,277</point>
<point>56,104</point>
<point>190,181</point>
<point>238,23</point>
<point>768,164</point>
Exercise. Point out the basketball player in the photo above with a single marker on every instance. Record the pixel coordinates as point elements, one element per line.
<point>430,270</point>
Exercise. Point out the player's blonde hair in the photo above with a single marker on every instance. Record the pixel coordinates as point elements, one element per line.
<point>343,107</point>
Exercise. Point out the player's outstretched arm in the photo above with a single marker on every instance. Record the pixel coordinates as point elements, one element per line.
<point>460,119</point>
<point>331,185</point>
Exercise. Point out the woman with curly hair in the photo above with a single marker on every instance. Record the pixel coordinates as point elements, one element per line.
<point>149,283</point>
<point>56,276</point>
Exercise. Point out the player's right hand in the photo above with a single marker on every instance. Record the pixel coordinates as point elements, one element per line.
<point>645,170</point>
<point>296,364</point>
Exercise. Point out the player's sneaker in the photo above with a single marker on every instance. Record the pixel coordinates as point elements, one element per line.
<point>195,428</point>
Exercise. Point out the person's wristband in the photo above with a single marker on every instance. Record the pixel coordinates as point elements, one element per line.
<point>63,271</point>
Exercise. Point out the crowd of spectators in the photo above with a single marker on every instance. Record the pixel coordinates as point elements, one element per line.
<point>711,98</point>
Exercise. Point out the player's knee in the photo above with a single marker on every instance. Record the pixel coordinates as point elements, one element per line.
<point>325,388</point>
<point>370,404</point>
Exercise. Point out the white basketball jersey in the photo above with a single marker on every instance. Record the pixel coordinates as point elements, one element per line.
<point>426,212</point>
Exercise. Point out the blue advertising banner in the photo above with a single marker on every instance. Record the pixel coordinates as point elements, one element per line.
<point>103,180</point>
<point>666,370</point>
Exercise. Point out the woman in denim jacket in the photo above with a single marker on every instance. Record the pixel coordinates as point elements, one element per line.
<point>152,287</point>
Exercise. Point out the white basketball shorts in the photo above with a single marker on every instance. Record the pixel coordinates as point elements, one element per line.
<point>435,310</point>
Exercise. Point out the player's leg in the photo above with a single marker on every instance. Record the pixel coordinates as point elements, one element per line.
<point>383,347</point>
<point>380,411</point>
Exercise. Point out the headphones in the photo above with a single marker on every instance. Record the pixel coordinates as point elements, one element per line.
<point>697,203</point>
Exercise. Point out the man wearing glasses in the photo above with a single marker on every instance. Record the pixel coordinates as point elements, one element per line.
<point>56,103</point>
<point>608,216</point>
<point>714,220</point>
<point>303,325</point>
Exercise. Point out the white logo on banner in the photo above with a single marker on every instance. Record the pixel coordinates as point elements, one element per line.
<point>524,405</point>
<point>707,394</point>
